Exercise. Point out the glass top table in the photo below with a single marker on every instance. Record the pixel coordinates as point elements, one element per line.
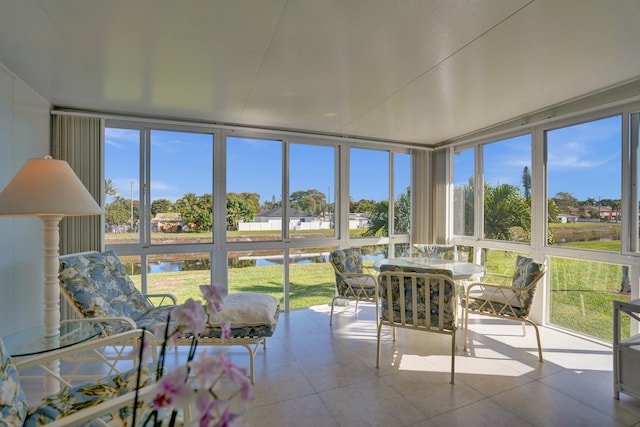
<point>461,270</point>
<point>32,341</point>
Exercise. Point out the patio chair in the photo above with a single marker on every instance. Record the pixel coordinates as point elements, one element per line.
<point>418,299</point>
<point>105,401</point>
<point>511,302</point>
<point>352,282</point>
<point>445,252</point>
<point>96,285</point>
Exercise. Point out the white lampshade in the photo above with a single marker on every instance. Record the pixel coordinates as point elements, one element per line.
<point>47,187</point>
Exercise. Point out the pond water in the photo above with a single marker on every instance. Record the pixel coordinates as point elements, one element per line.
<point>203,264</point>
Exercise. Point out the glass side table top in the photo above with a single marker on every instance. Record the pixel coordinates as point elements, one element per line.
<point>32,341</point>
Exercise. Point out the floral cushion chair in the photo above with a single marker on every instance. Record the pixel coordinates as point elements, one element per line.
<point>445,252</point>
<point>422,299</point>
<point>86,401</point>
<point>508,302</point>
<point>352,282</point>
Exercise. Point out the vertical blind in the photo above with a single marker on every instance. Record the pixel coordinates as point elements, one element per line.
<point>79,141</point>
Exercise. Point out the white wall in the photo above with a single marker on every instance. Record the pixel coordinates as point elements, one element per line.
<point>24,133</point>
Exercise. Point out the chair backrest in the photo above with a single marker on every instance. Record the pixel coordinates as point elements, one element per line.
<point>345,261</point>
<point>526,275</point>
<point>13,402</point>
<point>408,294</point>
<point>99,286</point>
<point>446,252</point>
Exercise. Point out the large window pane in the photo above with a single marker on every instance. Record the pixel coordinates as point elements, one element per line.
<point>402,193</point>
<point>463,190</point>
<point>582,293</point>
<point>507,189</point>
<point>179,274</point>
<point>181,187</point>
<point>311,186</point>
<point>254,189</point>
<point>369,193</point>
<point>311,277</point>
<point>257,271</point>
<point>122,183</point>
<point>584,183</point>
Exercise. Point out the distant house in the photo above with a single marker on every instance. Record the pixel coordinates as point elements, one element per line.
<point>275,214</point>
<point>566,218</point>
<point>167,222</point>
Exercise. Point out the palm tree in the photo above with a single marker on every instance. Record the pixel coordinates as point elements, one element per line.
<point>109,188</point>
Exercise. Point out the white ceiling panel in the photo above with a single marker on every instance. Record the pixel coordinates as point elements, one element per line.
<point>413,71</point>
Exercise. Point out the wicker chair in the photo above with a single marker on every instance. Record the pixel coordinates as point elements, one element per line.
<point>103,401</point>
<point>352,282</point>
<point>506,302</point>
<point>418,299</point>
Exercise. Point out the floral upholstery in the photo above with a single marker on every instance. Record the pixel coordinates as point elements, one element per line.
<point>449,305</point>
<point>422,299</point>
<point>508,302</point>
<point>74,399</point>
<point>99,286</point>
<point>13,402</point>
<point>447,252</point>
<point>349,261</point>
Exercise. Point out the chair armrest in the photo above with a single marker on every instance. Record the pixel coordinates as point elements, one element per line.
<point>485,285</point>
<point>127,321</point>
<point>106,407</point>
<point>117,339</point>
<point>163,296</point>
<point>369,269</point>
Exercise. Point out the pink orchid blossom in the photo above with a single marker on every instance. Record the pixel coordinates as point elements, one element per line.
<point>212,412</point>
<point>172,391</point>
<point>238,376</point>
<point>191,315</point>
<point>225,330</point>
<point>213,295</point>
<point>207,369</point>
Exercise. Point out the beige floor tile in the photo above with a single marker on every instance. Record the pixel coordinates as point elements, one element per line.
<point>308,411</point>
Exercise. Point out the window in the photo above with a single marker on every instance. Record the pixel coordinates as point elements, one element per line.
<point>254,189</point>
<point>584,184</point>
<point>312,185</point>
<point>401,193</point>
<point>463,190</point>
<point>369,193</point>
<point>507,189</point>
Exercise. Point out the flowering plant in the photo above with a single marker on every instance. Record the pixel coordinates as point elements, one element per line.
<point>206,385</point>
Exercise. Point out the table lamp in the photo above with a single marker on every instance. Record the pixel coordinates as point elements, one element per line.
<point>50,190</point>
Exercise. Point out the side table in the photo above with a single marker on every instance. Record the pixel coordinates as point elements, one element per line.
<point>30,342</point>
<point>626,352</point>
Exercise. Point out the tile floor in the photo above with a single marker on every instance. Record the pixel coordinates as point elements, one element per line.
<point>315,375</point>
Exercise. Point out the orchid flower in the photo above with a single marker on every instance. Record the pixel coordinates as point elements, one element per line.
<point>207,369</point>
<point>191,315</point>
<point>213,295</point>
<point>172,390</point>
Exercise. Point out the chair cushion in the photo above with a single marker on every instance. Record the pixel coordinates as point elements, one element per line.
<point>100,287</point>
<point>449,314</point>
<point>448,252</point>
<point>71,400</point>
<point>13,402</point>
<point>526,272</point>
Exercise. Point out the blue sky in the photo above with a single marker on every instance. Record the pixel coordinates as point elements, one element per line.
<point>182,162</point>
<point>583,160</point>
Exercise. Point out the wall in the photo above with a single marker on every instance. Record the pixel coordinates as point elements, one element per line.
<point>24,133</point>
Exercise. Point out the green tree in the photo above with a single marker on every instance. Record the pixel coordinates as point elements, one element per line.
<point>119,211</point>
<point>362,206</point>
<point>526,182</point>
<point>196,211</point>
<point>109,188</point>
<point>565,200</point>
<point>313,202</point>
<point>238,209</point>
<point>402,212</point>
<point>505,211</point>
<point>378,219</point>
<point>161,206</point>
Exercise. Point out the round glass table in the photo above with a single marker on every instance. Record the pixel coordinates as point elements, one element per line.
<point>32,341</point>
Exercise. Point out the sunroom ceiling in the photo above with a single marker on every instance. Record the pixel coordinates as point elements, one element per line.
<point>412,71</point>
